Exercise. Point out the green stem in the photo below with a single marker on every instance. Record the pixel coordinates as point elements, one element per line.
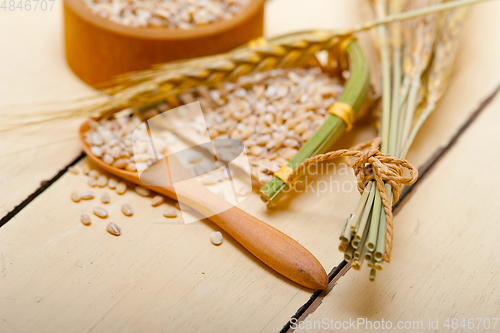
<point>386,81</point>
<point>371,240</point>
<point>348,253</point>
<point>417,126</point>
<point>345,237</point>
<point>355,92</point>
<point>360,229</point>
<point>408,116</point>
<point>361,205</point>
<point>396,7</point>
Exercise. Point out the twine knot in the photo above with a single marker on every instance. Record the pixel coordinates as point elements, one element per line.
<point>370,164</point>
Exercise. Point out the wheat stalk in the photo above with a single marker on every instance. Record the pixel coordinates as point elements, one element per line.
<point>451,25</point>
<point>423,34</point>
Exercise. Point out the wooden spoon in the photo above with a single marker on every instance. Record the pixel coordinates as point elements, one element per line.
<point>271,246</point>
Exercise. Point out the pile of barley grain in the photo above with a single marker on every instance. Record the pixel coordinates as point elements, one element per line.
<point>273,113</point>
<point>116,140</point>
<point>173,14</point>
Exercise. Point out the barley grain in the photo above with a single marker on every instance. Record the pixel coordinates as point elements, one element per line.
<point>85,219</point>
<point>172,14</point>
<point>121,163</point>
<point>75,196</point>
<point>127,210</point>
<point>102,181</point>
<point>131,167</point>
<point>157,200</point>
<point>101,212</point>
<point>94,174</point>
<point>208,180</point>
<point>216,238</point>
<point>121,188</point>
<point>73,170</point>
<point>113,229</point>
<point>97,151</point>
<point>112,182</point>
<point>105,199</point>
<point>87,195</point>
<point>142,191</point>
<point>116,152</point>
<point>85,169</point>
<point>195,157</point>
<point>92,182</point>
<point>107,158</point>
<point>170,213</point>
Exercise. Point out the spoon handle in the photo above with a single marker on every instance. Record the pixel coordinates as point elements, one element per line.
<point>271,246</point>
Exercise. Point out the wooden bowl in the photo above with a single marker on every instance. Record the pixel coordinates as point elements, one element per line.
<point>97,49</point>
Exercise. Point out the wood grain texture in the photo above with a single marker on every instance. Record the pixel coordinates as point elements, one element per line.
<point>56,274</point>
<point>445,262</point>
<point>33,70</point>
<point>158,275</point>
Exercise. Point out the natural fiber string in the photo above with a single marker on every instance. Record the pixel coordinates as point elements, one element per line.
<point>369,164</point>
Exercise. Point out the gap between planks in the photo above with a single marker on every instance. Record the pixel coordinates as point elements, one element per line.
<point>338,271</point>
<point>43,186</point>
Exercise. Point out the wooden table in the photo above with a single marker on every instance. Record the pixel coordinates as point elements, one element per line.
<point>57,275</point>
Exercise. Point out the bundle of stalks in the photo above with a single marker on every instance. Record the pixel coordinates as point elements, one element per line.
<point>420,70</point>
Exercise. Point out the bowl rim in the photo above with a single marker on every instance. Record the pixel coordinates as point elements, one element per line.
<point>82,11</point>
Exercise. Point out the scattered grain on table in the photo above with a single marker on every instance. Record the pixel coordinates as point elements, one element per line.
<point>85,219</point>
<point>94,174</point>
<point>121,188</point>
<point>127,210</point>
<point>157,200</point>
<point>75,196</point>
<point>113,229</point>
<point>87,195</point>
<point>92,182</point>
<point>112,182</point>
<point>105,199</point>
<point>142,191</point>
<point>216,238</point>
<point>73,170</point>
<point>100,212</point>
<point>170,213</point>
<point>102,181</point>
